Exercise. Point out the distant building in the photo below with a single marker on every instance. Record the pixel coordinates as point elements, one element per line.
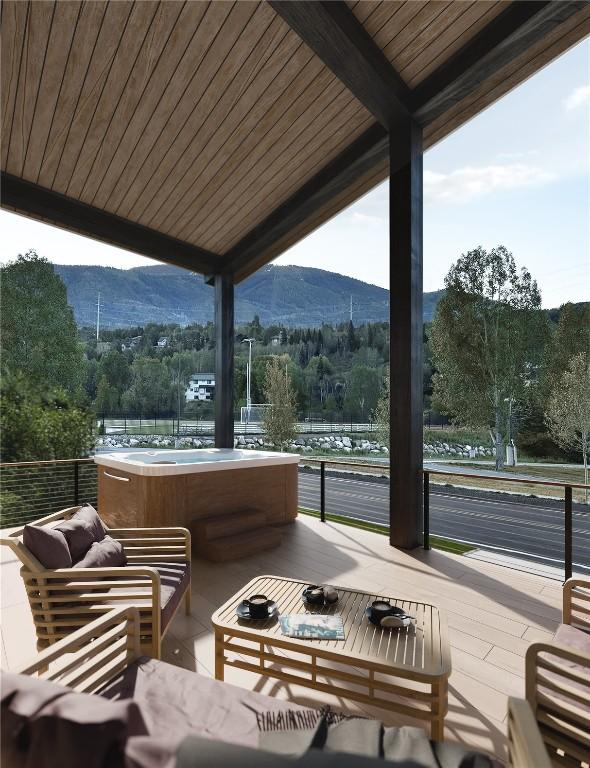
<point>275,341</point>
<point>201,386</point>
<point>131,343</point>
<point>162,342</point>
<point>103,346</point>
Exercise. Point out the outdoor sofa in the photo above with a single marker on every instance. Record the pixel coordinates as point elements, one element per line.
<point>558,681</point>
<point>75,568</point>
<point>97,702</point>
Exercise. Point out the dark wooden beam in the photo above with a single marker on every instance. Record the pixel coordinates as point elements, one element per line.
<point>507,36</point>
<point>224,361</point>
<point>54,208</point>
<point>405,328</point>
<point>334,34</point>
<point>367,152</point>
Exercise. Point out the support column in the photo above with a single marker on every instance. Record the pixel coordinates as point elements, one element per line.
<point>224,361</point>
<point>405,319</point>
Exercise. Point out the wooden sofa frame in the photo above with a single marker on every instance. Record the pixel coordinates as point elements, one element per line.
<point>89,657</point>
<point>561,709</point>
<point>64,599</point>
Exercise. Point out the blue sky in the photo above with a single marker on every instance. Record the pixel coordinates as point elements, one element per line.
<point>518,174</point>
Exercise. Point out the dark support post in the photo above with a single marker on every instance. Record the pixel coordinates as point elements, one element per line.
<point>426,510</point>
<point>224,361</point>
<point>568,532</point>
<point>323,491</point>
<point>405,324</point>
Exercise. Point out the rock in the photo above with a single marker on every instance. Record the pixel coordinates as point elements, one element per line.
<point>133,442</point>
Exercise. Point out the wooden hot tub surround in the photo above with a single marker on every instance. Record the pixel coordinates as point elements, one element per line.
<point>128,498</point>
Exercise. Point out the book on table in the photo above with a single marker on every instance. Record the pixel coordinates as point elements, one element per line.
<point>307,626</point>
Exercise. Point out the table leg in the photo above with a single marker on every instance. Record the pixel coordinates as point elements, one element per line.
<point>219,655</point>
<point>439,709</point>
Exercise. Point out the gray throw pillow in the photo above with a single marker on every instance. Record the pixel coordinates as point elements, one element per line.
<point>46,725</point>
<point>79,536</point>
<point>107,553</point>
<point>48,545</point>
<point>89,515</point>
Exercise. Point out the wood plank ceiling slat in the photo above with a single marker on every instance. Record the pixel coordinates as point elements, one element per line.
<point>290,178</point>
<point>279,179</point>
<point>285,70</point>
<point>254,149</point>
<point>380,18</point>
<point>63,29</point>
<point>428,29</point>
<point>34,48</point>
<point>14,25</point>
<point>159,34</point>
<point>474,17</point>
<point>223,105</point>
<point>222,26</point>
<point>126,62</point>
<point>428,15</point>
<point>184,50</point>
<point>86,37</point>
<point>58,166</point>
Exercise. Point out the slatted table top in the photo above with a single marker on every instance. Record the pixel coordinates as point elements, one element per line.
<point>421,650</point>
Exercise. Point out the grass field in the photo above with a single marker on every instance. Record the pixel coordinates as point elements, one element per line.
<point>447,545</point>
<point>555,473</point>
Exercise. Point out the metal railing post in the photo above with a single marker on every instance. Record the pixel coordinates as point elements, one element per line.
<point>426,510</point>
<point>568,532</point>
<point>323,491</point>
<point>76,483</point>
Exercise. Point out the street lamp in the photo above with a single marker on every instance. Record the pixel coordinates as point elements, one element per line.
<point>248,378</point>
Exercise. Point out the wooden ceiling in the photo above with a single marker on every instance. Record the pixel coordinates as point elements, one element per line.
<point>215,135</point>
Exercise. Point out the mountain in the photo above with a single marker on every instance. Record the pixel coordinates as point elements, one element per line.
<point>293,296</point>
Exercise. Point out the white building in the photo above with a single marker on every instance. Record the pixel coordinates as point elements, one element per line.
<point>201,386</point>
<point>162,342</point>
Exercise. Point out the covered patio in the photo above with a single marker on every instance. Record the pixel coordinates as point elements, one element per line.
<point>214,136</point>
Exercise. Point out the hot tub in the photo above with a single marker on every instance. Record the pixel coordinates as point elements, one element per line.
<point>168,488</point>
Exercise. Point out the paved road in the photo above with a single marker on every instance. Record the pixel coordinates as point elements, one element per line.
<point>524,530</point>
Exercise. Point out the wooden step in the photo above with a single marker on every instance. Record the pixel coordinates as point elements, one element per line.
<point>241,545</point>
<point>220,526</point>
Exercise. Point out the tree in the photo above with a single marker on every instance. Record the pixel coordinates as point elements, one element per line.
<point>38,333</point>
<point>487,341</point>
<point>362,390</point>
<point>568,409</point>
<point>381,415</point>
<point>41,425</point>
<point>280,418</point>
<point>571,336</point>
<point>150,389</point>
<point>107,398</point>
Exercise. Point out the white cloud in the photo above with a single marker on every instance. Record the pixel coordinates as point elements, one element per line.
<point>470,183</point>
<point>578,97</point>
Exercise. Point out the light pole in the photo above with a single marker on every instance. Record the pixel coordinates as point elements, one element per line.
<point>248,378</point>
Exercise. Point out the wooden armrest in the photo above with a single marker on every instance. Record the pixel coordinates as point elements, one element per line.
<point>95,584</point>
<point>91,655</point>
<point>568,601</point>
<point>525,744</point>
<point>154,544</point>
<point>172,531</point>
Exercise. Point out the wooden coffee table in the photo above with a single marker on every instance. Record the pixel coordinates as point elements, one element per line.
<point>404,671</point>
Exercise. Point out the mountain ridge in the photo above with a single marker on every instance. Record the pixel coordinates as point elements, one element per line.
<point>287,295</point>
